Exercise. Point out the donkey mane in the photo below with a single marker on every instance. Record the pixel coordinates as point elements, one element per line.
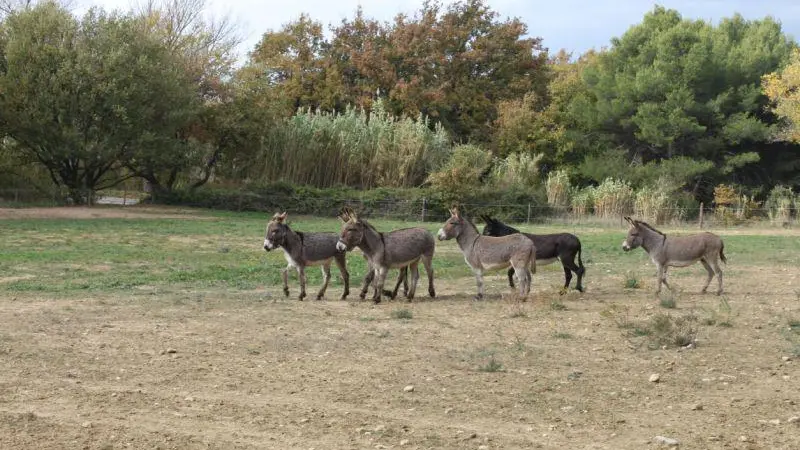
<point>650,227</point>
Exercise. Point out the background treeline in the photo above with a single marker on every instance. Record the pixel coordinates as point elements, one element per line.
<point>450,102</point>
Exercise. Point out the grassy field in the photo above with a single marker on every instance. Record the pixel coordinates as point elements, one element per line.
<point>167,328</point>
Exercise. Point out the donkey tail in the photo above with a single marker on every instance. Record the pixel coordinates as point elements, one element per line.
<point>580,261</point>
<point>721,254</point>
<point>533,260</point>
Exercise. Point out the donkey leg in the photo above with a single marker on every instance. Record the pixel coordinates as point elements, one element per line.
<point>285,277</point>
<point>326,278</point>
<point>710,274</point>
<point>380,279</point>
<point>664,279</point>
<point>368,279</point>
<point>567,277</point>
<point>511,277</point>
<point>341,263</point>
<point>427,263</point>
<point>718,271</point>
<point>479,280</point>
<point>402,275</point>
<point>659,278</point>
<point>414,280</point>
<point>524,279</point>
<point>301,273</point>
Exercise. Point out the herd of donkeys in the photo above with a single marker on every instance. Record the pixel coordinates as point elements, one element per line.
<point>498,247</point>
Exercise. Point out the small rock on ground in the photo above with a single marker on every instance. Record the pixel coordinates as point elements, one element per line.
<point>408,388</point>
<point>654,378</point>
<point>666,441</point>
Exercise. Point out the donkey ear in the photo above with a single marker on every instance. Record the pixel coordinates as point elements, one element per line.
<point>629,220</point>
<point>277,217</point>
<point>343,215</point>
<point>454,210</point>
<point>283,216</point>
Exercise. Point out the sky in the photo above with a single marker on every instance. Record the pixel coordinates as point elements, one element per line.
<point>575,25</point>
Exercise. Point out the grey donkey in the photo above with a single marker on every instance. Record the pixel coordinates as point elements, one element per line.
<point>306,249</point>
<point>393,250</point>
<point>677,251</point>
<point>484,253</point>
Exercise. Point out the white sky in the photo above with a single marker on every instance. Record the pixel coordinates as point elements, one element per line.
<point>576,25</point>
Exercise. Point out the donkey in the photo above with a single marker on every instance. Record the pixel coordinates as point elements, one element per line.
<point>549,247</point>
<point>491,253</point>
<point>384,251</point>
<point>677,251</point>
<point>305,249</point>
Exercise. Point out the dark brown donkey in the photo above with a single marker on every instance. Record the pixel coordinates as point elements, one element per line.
<point>491,253</point>
<point>393,250</point>
<point>677,251</point>
<point>564,247</point>
<point>306,249</point>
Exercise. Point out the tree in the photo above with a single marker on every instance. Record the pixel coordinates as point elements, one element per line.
<point>79,97</point>
<point>673,87</point>
<point>455,65</point>
<point>783,89</point>
<point>203,52</point>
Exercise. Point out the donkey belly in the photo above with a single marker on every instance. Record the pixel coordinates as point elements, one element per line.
<point>546,261</point>
<point>397,265</point>
<point>495,265</point>
<point>682,263</point>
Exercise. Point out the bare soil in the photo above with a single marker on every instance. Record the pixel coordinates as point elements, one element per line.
<point>250,370</point>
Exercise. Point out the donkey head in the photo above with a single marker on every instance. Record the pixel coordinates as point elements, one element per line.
<point>496,228</point>
<point>453,227</point>
<point>276,232</point>
<point>634,238</point>
<point>352,230</point>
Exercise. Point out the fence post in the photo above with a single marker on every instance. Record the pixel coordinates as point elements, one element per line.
<point>701,215</point>
<point>528,220</point>
<point>124,193</point>
<point>424,207</point>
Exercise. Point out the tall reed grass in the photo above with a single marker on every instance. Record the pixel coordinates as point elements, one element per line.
<point>558,189</point>
<point>353,148</point>
<point>613,198</point>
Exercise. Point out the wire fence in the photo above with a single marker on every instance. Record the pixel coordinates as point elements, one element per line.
<point>426,210</point>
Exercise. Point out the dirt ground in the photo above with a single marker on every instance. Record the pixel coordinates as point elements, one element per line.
<point>177,369</point>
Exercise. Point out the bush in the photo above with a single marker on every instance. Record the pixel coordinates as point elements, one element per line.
<point>780,204</point>
<point>461,173</point>
<point>613,199</point>
<point>403,203</point>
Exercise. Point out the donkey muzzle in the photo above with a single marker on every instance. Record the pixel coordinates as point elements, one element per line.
<point>625,246</point>
<point>268,245</point>
<point>341,246</point>
<point>441,235</point>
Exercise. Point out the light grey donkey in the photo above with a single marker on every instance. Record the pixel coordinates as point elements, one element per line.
<point>677,251</point>
<point>484,253</point>
<point>393,250</point>
<point>306,249</point>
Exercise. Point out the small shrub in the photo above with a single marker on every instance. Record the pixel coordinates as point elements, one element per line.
<point>562,335</point>
<point>631,282</point>
<point>668,301</point>
<point>491,366</point>
<point>402,314</point>
<point>669,331</point>
<point>557,305</point>
<point>780,204</point>
<point>721,316</point>
<point>582,201</point>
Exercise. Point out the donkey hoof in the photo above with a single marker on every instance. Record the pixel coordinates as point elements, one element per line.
<point>562,291</point>
<point>320,297</point>
<point>376,300</point>
<point>478,297</point>
<point>719,292</point>
<point>286,292</point>
<point>389,294</point>
<point>301,297</point>
<point>432,293</point>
